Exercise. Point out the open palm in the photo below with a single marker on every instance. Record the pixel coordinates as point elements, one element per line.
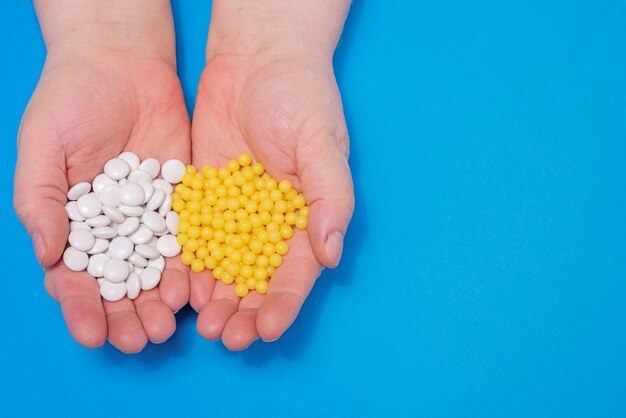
<point>288,115</point>
<point>82,114</point>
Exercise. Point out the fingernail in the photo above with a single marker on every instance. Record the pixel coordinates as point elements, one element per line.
<point>39,245</point>
<point>334,247</point>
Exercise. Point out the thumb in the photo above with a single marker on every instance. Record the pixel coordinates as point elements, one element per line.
<point>40,192</point>
<point>327,184</point>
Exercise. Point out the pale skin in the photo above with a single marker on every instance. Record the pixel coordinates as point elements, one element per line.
<point>109,84</point>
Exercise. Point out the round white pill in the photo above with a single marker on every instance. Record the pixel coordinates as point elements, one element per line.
<point>115,270</point>
<point>131,158</point>
<point>132,194</point>
<point>71,208</point>
<point>81,239</point>
<point>100,182</point>
<point>153,221</point>
<point>133,286</point>
<point>129,226</point>
<point>110,195</point>
<point>148,191</point>
<point>105,232</point>
<point>121,247</point>
<point>163,185</point>
<point>150,278</point>
<point>74,225</point>
<point>158,262</point>
<point>167,246</point>
<point>100,246</point>
<point>113,213</point>
<point>140,176</point>
<point>138,260</point>
<point>171,220</point>
<point>131,210</point>
<point>147,251</point>
<point>166,206</point>
<point>173,171</point>
<point>78,190</point>
<point>151,166</point>
<point>112,291</point>
<point>89,205</point>
<point>116,169</point>
<point>100,220</point>
<point>142,235</point>
<point>156,200</point>
<point>96,265</point>
<point>75,260</point>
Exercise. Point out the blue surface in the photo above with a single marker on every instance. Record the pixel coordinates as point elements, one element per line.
<point>485,269</point>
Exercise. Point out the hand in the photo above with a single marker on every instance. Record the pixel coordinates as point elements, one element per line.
<point>86,110</point>
<point>285,110</point>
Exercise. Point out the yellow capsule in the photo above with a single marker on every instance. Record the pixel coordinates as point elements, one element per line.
<point>218,222</point>
<point>202,252</point>
<point>211,199</point>
<point>191,245</point>
<point>285,186</point>
<point>258,168</point>
<point>259,184</point>
<point>197,183</point>
<point>270,184</point>
<point>178,205</point>
<point>299,201</point>
<point>222,204</point>
<point>239,179</point>
<point>195,219</point>
<point>184,215</point>
<point>182,238</point>
<point>183,226</point>
<point>255,220</point>
<point>218,272</point>
<point>229,182</point>
<point>247,189</point>
<point>234,191</point>
<point>194,206</point>
<point>275,260</point>
<point>233,269</point>
<point>232,166</point>
<point>244,159</point>
<point>281,248</point>
<point>233,204</point>
<point>206,233</point>
<point>210,263</point>
<point>280,206</point>
<point>241,290</point>
<point>272,227</point>
<point>262,260</point>
<point>263,236</point>
<point>217,253</point>
<point>301,222</point>
<point>230,227</point>
<point>212,244</point>
<point>248,258</point>
<point>227,278</point>
<point>241,214</point>
<point>274,236</point>
<point>197,265</point>
<point>193,232</point>
<point>229,215</point>
<point>290,218</point>
<point>219,235</point>
<point>190,169</point>
<point>244,226</point>
<point>237,242</point>
<point>221,191</point>
<point>268,249</point>
<point>214,182</point>
<point>260,273</point>
<point>235,256</point>
<point>187,178</point>
<point>276,195</point>
<point>196,195</point>
<point>209,171</point>
<point>262,286</point>
<point>179,188</point>
<point>251,283</point>
<point>206,218</point>
<point>266,217</point>
<point>248,173</point>
<point>246,271</point>
<point>256,246</point>
<point>286,231</point>
<point>187,258</point>
<point>222,173</point>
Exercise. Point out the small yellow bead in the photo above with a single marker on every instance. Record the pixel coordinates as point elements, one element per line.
<point>235,256</point>
<point>255,220</point>
<point>229,182</point>
<point>299,201</point>
<point>206,233</point>
<point>276,195</point>
<point>266,217</point>
<point>281,248</point>
<point>210,263</point>
<point>262,286</point>
<point>280,206</point>
<point>184,215</point>
<point>270,270</point>
<point>290,218</point>
<point>263,236</point>
<point>219,235</point>
<point>183,226</point>
<point>202,253</point>
<point>262,260</point>
<point>304,211</point>
<point>176,196</point>
<point>227,278</point>
<point>233,269</point>
<point>206,218</point>
<point>179,188</point>
<point>212,244</point>
<point>232,166</point>
<point>244,159</point>
<point>270,184</point>
<point>248,173</point>
<point>286,231</point>
<point>196,195</point>
<point>214,182</point>
<point>301,222</point>
<point>291,194</point>
<point>275,260</point>
<point>197,183</point>
<point>178,205</point>
<point>234,191</point>
<point>186,180</point>
<point>194,206</point>
<point>239,179</point>
<point>260,273</point>
<point>217,253</point>
<point>274,236</point>
<point>222,173</point>
<point>218,222</point>
<point>182,238</point>
<point>222,204</point>
<point>211,199</point>
<point>241,290</point>
<point>272,227</point>
<point>209,171</point>
<point>237,242</point>
<point>233,204</point>
<point>218,272</point>
<point>268,249</point>
<point>259,185</point>
<point>246,271</point>
<point>229,215</point>
<point>248,258</point>
<point>197,265</point>
<point>244,226</point>
<point>251,283</point>
<point>191,245</point>
<point>190,169</point>
<point>256,246</point>
<point>221,191</point>
<point>285,186</point>
<point>193,232</point>
<point>258,168</point>
<point>266,205</point>
<point>187,258</point>
<point>195,219</point>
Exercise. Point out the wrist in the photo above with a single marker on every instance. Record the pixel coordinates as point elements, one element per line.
<point>280,28</point>
<point>97,28</point>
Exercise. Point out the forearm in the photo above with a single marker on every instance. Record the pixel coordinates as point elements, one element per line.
<point>298,26</point>
<point>143,27</point>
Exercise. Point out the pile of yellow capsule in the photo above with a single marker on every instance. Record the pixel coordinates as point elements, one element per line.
<point>235,221</point>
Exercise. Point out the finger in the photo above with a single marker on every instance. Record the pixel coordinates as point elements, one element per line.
<point>327,184</point>
<point>156,317</point>
<point>80,301</point>
<point>240,330</point>
<point>289,287</point>
<point>40,191</point>
<point>174,285</point>
<point>201,287</point>
<point>125,330</point>
<point>217,312</point>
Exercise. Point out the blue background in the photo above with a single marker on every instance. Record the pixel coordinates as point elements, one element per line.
<point>484,272</point>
